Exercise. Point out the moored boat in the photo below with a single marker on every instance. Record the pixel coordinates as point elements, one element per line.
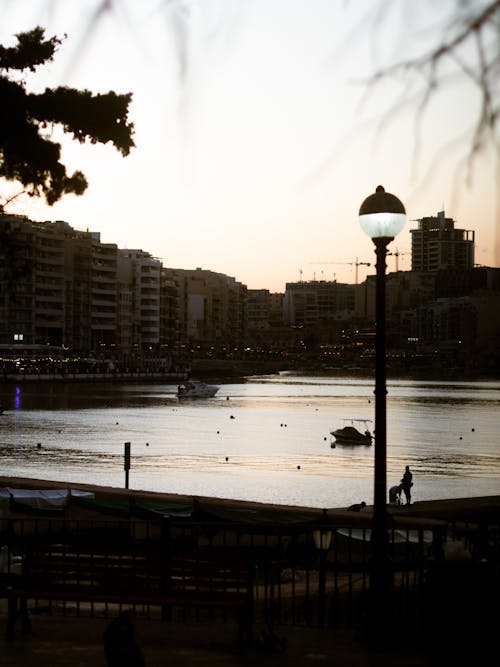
<point>350,435</point>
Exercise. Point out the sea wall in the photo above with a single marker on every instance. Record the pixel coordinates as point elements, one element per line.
<point>114,376</point>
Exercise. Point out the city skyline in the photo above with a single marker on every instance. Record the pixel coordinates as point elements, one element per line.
<point>397,260</point>
<point>254,162</point>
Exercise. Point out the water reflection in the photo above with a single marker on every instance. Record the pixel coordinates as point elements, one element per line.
<point>74,396</point>
<point>236,443</point>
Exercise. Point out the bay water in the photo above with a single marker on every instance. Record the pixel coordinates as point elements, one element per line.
<point>264,439</point>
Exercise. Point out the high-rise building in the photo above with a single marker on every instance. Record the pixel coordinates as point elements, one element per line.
<point>103,319</point>
<point>169,309</point>
<point>59,287</point>
<point>139,298</point>
<point>437,245</point>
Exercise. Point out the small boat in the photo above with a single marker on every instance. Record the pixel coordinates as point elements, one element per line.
<point>349,435</point>
<point>196,390</point>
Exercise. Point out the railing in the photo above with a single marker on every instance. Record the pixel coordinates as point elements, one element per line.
<point>104,376</point>
<point>309,575</point>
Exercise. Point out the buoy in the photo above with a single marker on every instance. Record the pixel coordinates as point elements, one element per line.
<point>39,445</point>
<point>227,458</point>
<point>298,467</point>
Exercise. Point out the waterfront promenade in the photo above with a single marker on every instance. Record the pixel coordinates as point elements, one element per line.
<point>59,641</point>
<point>455,509</point>
<point>72,642</point>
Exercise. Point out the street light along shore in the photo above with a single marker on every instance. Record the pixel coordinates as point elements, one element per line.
<point>382,216</point>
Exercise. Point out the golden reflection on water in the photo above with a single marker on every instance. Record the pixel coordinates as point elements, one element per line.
<point>268,438</point>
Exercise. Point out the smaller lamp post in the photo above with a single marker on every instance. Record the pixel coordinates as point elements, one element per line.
<point>323,538</point>
<point>382,216</point>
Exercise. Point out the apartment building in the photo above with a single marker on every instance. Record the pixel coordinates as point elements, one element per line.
<point>33,288</point>
<point>276,308</point>
<point>212,308</point>
<point>139,287</point>
<point>103,288</point>
<point>258,309</point>
<point>307,302</point>
<point>59,286</point>
<point>169,310</point>
<point>437,245</point>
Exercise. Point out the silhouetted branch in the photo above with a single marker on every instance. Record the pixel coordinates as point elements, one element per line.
<point>477,29</point>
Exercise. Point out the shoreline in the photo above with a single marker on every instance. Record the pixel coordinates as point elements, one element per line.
<point>475,509</point>
<point>58,378</point>
<point>232,369</point>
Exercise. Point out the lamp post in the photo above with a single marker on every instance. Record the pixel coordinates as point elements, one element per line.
<point>322,541</point>
<point>382,216</point>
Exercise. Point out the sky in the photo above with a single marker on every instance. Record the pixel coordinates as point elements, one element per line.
<point>257,134</point>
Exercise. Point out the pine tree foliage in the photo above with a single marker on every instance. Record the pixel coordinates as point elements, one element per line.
<point>28,154</point>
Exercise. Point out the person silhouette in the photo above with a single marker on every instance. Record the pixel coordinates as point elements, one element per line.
<point>407,483</point>
<point>357,507</point>
<point>395,494</point>
<point>120,646</point>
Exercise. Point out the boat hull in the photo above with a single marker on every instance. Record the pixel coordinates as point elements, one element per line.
<point>351,436</point>
<point>197,391</point>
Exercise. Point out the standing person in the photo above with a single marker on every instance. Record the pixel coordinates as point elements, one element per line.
<point>407,483</point>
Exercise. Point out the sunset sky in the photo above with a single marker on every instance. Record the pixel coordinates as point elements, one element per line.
<point>256,136</point>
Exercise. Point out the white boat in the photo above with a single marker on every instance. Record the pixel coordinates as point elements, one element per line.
<point>349,435</point>
<point>196,390</point>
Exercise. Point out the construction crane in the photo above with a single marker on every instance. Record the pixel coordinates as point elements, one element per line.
<point>397,254</point>
<point>356,263</point>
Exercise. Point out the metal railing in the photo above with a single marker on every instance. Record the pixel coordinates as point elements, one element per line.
<point>310,575</point>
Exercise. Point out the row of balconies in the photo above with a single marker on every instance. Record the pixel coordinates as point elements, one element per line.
<point>102,323</point>
<point>103,291</point>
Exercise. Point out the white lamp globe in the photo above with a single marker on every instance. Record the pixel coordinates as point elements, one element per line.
<point>382,215</point>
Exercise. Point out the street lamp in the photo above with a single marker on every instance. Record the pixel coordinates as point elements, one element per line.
<point>382,216</point>
<point>323,538</point>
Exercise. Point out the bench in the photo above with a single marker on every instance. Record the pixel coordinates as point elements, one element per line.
<point>134,575</point>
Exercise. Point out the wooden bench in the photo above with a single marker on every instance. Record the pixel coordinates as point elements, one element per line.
<point>134,575</point>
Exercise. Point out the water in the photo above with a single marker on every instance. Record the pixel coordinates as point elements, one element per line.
<point>266,439</point>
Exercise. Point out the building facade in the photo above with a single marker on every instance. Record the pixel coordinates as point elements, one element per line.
<point>211,309</point>
<point>139,289</point>
<point>437,245</point>
<point>308,302</point>
<point>58,287</point>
